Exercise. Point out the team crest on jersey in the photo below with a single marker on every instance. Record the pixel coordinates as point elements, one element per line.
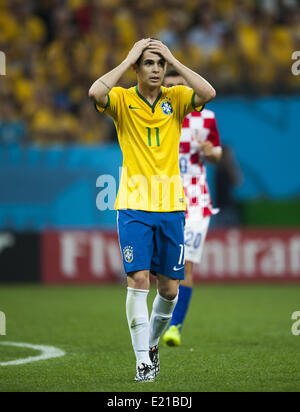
<point>166,108</point>
<point>128,254</point>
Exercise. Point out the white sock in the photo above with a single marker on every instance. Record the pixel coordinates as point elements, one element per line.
<point>138,322</point>
<point>160,317</point>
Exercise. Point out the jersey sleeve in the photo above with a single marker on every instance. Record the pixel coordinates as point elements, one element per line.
<point>214,136</point>
<point>186,101</point>
<point>114,103</point>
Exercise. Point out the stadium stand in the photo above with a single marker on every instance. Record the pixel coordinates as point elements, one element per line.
<point>55,49</point>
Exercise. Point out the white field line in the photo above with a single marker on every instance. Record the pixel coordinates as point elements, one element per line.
<point>47,352</point>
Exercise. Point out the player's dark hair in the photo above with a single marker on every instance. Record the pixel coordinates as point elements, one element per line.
<point>138,62</point>
<point>172,73</point>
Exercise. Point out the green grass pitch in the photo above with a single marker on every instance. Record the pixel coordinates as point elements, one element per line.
<point>236,338</point>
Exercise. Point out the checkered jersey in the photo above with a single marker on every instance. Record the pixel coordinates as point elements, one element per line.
<point>197,127</point>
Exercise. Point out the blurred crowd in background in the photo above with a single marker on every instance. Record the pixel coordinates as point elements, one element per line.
<point>55,49</point>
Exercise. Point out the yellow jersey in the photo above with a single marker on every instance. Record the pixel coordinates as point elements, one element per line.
<point>149,137</point>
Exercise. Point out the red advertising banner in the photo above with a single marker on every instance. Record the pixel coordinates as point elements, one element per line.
<point>246,255</point>
<point>229,255</point>
<point>81,257</point>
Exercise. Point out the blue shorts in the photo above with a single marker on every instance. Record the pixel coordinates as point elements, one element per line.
<point>152,241</point>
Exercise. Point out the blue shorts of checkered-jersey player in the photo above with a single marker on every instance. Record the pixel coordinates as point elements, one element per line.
<point>152,241</point>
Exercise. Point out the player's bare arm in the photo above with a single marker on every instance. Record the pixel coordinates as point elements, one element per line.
<point>102,86</point>
<point>212,154</point>
<point>203,89</point>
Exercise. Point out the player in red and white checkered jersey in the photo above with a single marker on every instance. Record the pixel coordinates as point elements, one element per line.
<point>200,142</point>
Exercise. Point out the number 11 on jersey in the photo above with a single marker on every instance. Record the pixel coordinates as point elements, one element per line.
<point>150,136</point>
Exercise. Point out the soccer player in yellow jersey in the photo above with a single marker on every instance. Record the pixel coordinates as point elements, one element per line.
<point>150,202</point>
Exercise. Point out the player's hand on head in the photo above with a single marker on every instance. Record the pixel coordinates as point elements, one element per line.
<point>156,46</point>
<point>137,50</point>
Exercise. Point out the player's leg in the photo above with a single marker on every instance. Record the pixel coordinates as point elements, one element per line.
<point>185,294</point>
<point>188,269</point>
<point>138,321</point>
<point>139,280</point>
<point>173,336</point>
<point>167,262</point>
<point>195,234</point>
<point>137,260</point>
<point>163,307</point>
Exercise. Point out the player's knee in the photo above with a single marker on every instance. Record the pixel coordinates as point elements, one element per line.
<point>138,280</point>
<point>168,293</point>
<point>171,296</point>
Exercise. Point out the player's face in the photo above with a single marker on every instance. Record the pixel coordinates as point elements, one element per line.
<point>151,69</point>
<point>171,81</point>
